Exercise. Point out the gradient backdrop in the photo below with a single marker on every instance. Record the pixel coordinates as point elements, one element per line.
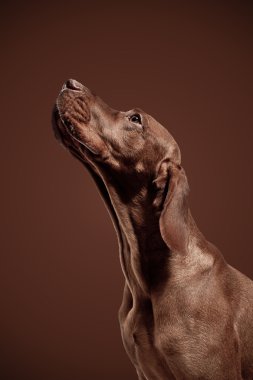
<point>190,65</point>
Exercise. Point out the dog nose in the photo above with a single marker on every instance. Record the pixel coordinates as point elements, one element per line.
<point>72,84</point>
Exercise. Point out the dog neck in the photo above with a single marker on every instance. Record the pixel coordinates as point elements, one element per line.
<point>145,258</point>
<point>143,253</point>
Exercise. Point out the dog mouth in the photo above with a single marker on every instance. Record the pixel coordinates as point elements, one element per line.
<point>71,116</point>
<point>62,135</point>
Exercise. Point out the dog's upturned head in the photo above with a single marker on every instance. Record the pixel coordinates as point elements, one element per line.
<point>130,144</point>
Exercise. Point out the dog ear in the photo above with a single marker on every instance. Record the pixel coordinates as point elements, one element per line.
<point>172,203</point>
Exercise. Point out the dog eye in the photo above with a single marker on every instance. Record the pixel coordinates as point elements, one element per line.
<point>136,118</point>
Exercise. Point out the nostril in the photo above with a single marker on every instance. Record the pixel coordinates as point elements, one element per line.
<point>72,84</point>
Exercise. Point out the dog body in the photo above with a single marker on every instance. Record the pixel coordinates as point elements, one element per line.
<point>185,314</point>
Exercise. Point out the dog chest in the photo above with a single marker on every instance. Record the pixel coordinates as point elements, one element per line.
<point>137,334</point>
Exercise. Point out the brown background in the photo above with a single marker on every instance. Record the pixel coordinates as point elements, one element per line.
<point>189,64</point>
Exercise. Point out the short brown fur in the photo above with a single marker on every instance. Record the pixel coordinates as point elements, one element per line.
<point>186,313</point>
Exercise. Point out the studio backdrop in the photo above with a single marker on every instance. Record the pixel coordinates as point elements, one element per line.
<point>188,64</point>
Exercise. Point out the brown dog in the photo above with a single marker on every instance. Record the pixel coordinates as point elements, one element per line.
<point>186,314</point>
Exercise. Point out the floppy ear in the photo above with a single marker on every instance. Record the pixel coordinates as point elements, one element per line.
<point>172,202</point>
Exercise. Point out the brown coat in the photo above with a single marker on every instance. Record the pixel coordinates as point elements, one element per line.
<point>186,313</point>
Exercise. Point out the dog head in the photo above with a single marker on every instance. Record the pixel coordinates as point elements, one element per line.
<point>125,151</point>
<point>129,142</point>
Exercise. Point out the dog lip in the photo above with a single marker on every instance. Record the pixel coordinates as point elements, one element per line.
<point>62,125</point>
<point>69,130</point>
<point>61,132</point>
<point>55,123</point>
<point>69,126</point>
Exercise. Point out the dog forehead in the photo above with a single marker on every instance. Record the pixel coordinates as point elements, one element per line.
<point>158,129</point>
